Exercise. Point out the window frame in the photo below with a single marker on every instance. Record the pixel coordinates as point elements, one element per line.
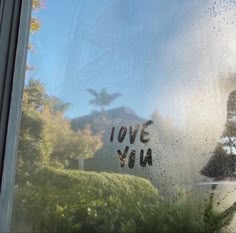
<point>15,18</point>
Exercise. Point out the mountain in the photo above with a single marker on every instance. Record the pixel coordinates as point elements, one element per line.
<point>118,115</point>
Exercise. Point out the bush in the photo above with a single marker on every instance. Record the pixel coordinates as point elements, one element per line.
<point>62,200</point>
<point>77,201</point>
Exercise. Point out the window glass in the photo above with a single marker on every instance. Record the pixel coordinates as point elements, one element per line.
<point>128,118</point>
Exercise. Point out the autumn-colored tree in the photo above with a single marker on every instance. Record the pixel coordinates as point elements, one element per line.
<point>35,23</point>
<point>37,4</point>
<point>46,137</point>
<point>35,26</point>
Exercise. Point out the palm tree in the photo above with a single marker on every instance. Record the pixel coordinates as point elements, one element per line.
<point>102,98</point>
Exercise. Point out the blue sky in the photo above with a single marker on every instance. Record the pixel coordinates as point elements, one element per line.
<point>120,45</point>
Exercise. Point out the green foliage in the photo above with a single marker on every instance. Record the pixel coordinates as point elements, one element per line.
<point>46,137</point>
<point>77,201</point>
<point>185,214</point>
<point>50,197</point>
<point>70,145</point>
<point>34,95</point>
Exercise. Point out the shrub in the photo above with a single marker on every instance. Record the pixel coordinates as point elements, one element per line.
<point>77,201</point>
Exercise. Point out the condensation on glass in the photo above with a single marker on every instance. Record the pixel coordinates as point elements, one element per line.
<point>128,118</point>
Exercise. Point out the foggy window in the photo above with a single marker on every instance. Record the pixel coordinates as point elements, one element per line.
<point>128,118</point>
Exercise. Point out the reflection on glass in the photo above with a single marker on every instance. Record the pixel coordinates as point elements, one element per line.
<point>128,118</point>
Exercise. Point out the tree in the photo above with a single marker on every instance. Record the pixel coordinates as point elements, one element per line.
<point>35,23</point>
<point>230,131</point>
<point>222,164</point>
<point>35,26</point>
<point>46,137</point>
<point>102,98</point>
<point>36,4</point>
